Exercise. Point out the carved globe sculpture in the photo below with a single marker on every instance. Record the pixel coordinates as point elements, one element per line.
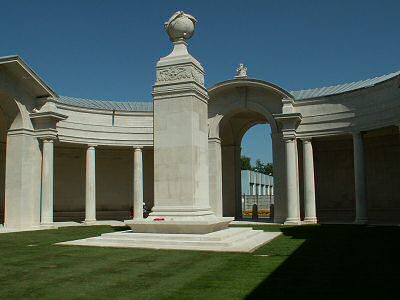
<point>180,26</point>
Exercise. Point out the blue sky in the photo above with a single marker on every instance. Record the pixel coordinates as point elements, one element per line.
<point>108,49</point>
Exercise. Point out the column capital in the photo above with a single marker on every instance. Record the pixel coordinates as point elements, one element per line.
<point>306,139</point>
<point>138,148</point>
<point>357,133</point>
<point>47,140</point>
<point>289,138</point>
<point>91,146</point>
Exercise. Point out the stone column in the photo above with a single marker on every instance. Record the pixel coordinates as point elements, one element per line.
<point>90,208</point>
<point>47,182</point>
<point>138,184</point>
<point>310,215</point>
<point>293,216</point>
<point>359,177</point>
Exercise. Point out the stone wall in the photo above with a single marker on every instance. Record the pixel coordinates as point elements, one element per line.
<point>382,158</point>
<point>69,184</point>
<point>334,179</point>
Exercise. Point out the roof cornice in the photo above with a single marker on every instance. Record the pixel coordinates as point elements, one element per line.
<point>15,59</point>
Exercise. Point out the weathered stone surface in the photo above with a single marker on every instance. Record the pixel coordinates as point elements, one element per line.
<point>228,240</point>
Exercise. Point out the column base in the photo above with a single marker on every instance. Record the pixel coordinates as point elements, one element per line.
<point>292,221</point>
<point>89,222</point>
<point>361,221</point>
<point>310,220</point>
<point>48,226</point>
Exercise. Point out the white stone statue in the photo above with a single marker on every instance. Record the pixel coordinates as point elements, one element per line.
<point>180,26</point>
<point>241,72</point>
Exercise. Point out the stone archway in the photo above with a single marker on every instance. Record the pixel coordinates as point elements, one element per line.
<point>234,107</point>
<point>232,130</point>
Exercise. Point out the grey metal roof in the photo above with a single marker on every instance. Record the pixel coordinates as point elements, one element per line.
<point>340,88</point>
<point>147,106</point>
<point>107,104</point>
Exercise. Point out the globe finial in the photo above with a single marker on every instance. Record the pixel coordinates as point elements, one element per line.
<point>180,26</point>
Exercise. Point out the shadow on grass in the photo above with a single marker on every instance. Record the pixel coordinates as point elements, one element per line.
<point>337,262</point>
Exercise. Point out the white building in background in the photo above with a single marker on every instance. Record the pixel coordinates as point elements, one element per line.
<point>255,183</point>
<point>335,149</point>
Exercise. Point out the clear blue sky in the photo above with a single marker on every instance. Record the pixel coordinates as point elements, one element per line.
<point>108,49</point>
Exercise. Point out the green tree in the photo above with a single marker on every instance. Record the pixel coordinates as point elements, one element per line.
<point>269,169</point>
<point>259,167</point>
<point>263,168</point>
<point>246,164</point>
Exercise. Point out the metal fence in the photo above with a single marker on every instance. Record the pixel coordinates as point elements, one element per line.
<point>257,206</point>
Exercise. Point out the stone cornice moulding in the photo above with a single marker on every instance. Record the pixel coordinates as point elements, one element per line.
<point>250,82</point>
<point>103,142</point>
<point>170,94</point>
<point>217,140</point>
<point>288,106</point>
<point>20,131</point>
<point>288,124</point>
<point>180,87</point>
<point>48,115</point>
<point>15,64</point>
<point>46,134</point>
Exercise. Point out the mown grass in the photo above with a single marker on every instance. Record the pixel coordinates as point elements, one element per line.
<point>306,262</point>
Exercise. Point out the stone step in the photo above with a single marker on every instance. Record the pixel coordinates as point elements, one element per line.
<point>227,240</point>
<point>166,239</point>
<point>255,242</point>
<point>214,236</point>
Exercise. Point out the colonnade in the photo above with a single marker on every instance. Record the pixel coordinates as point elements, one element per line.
<point>47,198</point>
<point>291,184</point>
<point>292,178</point>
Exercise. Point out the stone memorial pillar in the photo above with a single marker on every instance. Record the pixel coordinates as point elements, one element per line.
<point>181,178</point>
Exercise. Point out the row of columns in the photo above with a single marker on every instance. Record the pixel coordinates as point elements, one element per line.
<point>310,216</point>
<point>260,189</point>
<point>293,207</point>
<point>47,198</point>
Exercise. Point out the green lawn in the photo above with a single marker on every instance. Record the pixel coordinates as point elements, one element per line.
<point>306,262</point>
